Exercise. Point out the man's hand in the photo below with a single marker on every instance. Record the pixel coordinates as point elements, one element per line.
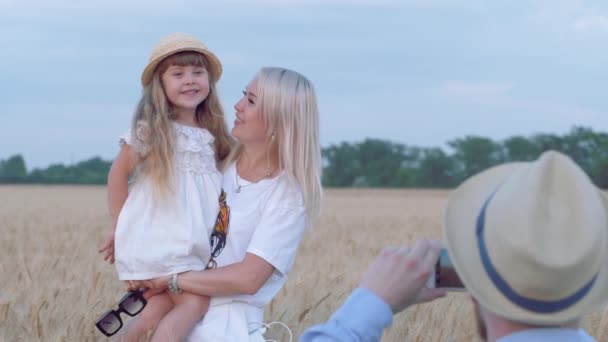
<point>108,248</point>
<point>399,275</point>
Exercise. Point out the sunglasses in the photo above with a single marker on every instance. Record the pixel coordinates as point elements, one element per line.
<point>132,303</point>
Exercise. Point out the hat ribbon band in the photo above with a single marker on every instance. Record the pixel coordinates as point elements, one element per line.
<point>535,305</point>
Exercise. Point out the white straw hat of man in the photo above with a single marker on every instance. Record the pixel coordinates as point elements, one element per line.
<point>530,240</point>
<point>178,42</point>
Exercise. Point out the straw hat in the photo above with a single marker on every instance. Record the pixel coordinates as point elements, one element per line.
<point>178,42</point>
<point>530,240</point>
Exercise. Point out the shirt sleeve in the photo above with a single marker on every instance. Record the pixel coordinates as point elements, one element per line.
<point>362,318</point>
<point>277,236</point>
<point>137,139</point>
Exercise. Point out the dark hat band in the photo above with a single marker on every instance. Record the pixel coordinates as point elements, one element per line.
<point>535,305</point>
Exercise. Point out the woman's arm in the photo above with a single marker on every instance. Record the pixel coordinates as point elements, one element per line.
<point>245,277</point>
<point>272,248</point>
<point>118,190</point>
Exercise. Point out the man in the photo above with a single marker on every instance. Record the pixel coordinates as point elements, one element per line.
<point>528,240</point>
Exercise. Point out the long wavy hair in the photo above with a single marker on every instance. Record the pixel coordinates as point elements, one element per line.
<point>155,113</point>
<point>289,110</point>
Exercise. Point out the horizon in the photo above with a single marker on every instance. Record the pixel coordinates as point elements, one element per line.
<point>446,146</point>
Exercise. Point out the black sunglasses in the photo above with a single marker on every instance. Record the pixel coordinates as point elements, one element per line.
<point>132,303</point>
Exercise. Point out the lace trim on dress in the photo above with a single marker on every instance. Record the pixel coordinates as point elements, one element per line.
<point>195,150</point>
<point>136,141</point>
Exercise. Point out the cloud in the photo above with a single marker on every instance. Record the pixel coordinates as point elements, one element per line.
<point>195,5</point>
<point>367,3</point>
<point>474,92</point>
<point>561,17</point>
<point>10,8</point>
<point>503,95</point>
<point>592,23</point>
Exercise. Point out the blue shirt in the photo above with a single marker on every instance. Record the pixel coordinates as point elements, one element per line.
<point>363,317</point>
<point>548,335</point>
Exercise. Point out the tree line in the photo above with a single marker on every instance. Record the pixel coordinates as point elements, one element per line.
<point>382,163</point>
<point>91,171</point>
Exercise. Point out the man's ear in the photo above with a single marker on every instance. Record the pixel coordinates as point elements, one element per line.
<point>575,324</point>
<point>482,330</point>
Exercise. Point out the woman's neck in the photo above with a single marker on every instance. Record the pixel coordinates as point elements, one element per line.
<point>256,162</point>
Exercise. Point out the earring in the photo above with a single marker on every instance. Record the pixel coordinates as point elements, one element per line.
<point>272,137</point>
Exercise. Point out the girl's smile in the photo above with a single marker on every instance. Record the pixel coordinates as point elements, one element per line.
<point>186,87</point>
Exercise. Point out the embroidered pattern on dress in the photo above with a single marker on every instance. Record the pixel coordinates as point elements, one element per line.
<point>194,150</point>
<point>135,141</point>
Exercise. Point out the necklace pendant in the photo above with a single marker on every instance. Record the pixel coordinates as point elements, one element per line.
<point>238,189</point>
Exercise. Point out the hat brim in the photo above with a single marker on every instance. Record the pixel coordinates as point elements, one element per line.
<point>461,212</point>
<point>214,64</point>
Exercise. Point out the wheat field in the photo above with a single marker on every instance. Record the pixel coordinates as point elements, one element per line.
<point>54,284</point>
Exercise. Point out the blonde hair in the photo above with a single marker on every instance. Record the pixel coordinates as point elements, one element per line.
<point>288,107</point>
<point>154,112</point>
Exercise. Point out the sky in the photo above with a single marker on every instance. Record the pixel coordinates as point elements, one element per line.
<point>414,72</point>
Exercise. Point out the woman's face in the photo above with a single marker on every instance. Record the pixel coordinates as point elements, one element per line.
<point>248,125</point>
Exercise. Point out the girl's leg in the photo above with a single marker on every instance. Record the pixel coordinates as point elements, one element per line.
<point>177,324</point>
<point>147,320</point>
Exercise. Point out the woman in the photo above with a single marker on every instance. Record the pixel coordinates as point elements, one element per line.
<point>273,189</point>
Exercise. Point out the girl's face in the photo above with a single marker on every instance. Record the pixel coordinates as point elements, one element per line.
<point>248,125</point>
<point>185,87</point>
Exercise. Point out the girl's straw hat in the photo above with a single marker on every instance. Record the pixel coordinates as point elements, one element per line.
<point>178,42</point>
<point>530,240</point>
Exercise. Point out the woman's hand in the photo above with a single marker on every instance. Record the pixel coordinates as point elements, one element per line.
<point>132,285</point>
<point>108,248</point>
<point>158,284</point>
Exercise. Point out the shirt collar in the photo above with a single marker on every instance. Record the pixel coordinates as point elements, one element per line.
<point>548,334</point>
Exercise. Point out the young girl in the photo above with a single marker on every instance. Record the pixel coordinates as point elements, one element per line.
<point>164,221</point>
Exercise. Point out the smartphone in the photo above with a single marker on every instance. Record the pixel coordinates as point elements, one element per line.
<point>445,275</point>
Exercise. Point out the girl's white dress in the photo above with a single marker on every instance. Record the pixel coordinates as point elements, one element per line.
<point>156,238</point>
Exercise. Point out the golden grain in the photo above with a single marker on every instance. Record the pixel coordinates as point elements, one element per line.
<point>54,283</point>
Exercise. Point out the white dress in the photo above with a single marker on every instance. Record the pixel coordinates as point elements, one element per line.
<point>267,219</point>
<point>155,239</point>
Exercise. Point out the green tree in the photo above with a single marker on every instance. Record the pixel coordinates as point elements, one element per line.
<point>381,161</point>
<point>474,154</point>
<point>436,169</point>
<point>92,171</point>
<point>519,148</point>
<point>588,149</point>
<point>544,142</point>
<point>341,165</point>
<point>13,170</point>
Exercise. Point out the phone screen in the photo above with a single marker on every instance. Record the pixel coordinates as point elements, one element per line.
<point>445,274</point>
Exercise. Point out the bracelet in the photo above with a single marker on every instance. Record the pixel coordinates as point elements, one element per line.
<point>172,284</point>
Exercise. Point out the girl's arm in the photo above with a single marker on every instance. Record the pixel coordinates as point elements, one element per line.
<point>118,181</point>
<point>118,189</point>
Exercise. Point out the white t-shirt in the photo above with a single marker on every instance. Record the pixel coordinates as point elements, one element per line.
<point>267,219</point>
